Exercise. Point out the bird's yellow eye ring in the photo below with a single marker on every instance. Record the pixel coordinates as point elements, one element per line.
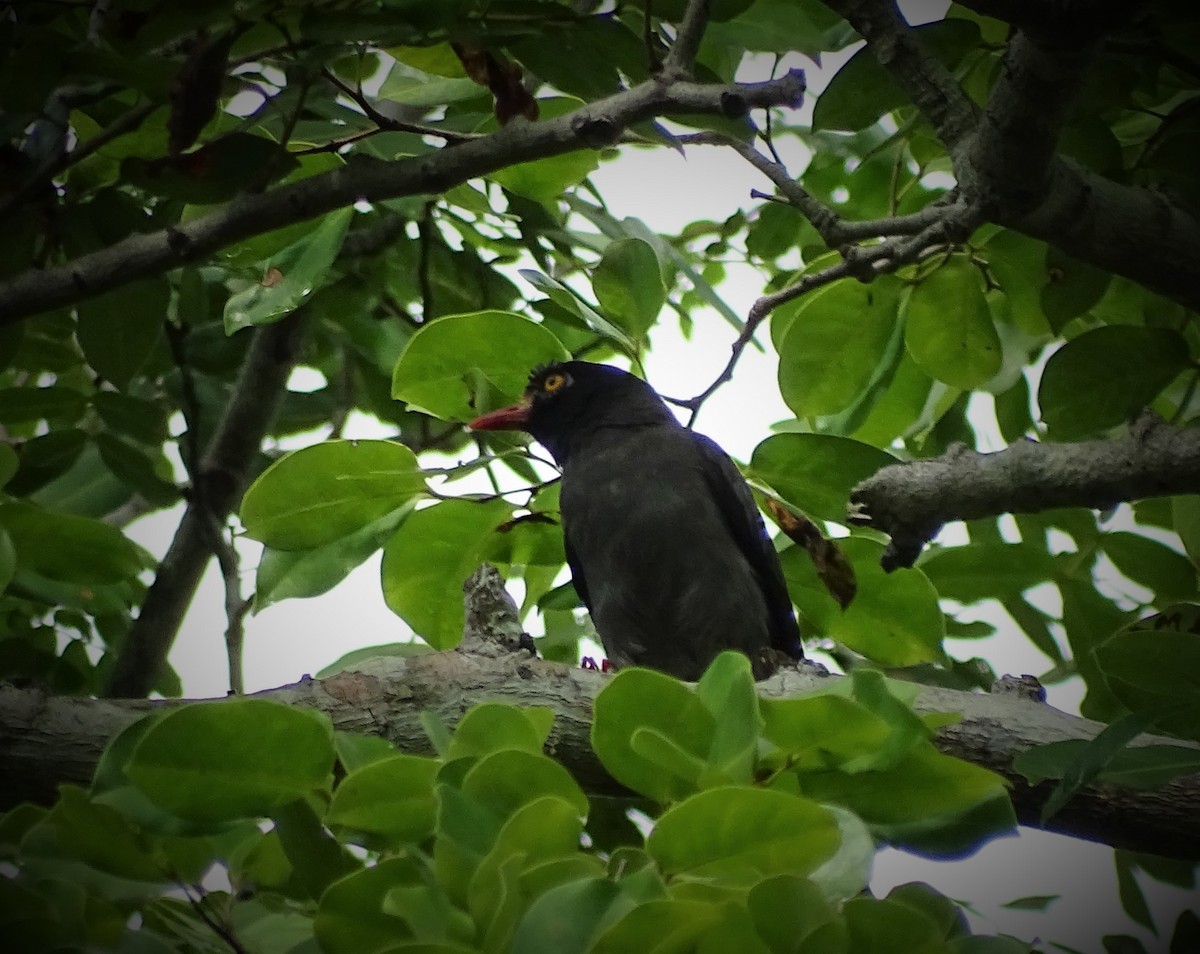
<point>554,382</point>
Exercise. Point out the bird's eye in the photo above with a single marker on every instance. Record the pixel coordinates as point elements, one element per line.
<point>554,382</point>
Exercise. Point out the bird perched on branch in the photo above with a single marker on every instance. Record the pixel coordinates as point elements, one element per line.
<point>666,547</point>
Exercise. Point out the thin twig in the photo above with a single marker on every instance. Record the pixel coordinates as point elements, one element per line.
<point>386,122</point>
<point>221,930</point>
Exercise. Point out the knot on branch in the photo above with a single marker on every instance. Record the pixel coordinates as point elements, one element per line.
<point>493,623</point>
<point>596,132</point>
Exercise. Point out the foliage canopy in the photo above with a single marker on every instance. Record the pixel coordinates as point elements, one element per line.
<point>395,195</point>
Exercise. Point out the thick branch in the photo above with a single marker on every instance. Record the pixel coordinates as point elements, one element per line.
<point>926,81</point>
<point>592,126</point>
<point>48,740</point>
<point>911,501</point>
<point>220,480</point>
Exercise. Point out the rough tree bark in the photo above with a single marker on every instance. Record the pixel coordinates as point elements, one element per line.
<point>912,500</point>
<point>47,740</point>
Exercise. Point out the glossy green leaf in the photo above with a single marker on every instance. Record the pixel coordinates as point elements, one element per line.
<point>1156,671</point>
<point>1105,376</point>
<point>391,798</point>
<point>567,918</point>
<point>323,493</point>
<point>742,835</point>
<point>429,558</point>
<point>628,284</point>
<point>894,618</point>
<point>1018,264</point>
<point>446,360</point>
<point>727,691</point>
<point>816,472</point>
<point>119,329</point>
<point>314,857</point>
<point>292,574</point>
<point>834,343</point>
<point>99,836</point>
<point>494,726</point>
<point>980,571</point>
<point>357,658</point>
<point>787,909</point>
<point>667,924</point>
<point>1143,766</point>
<point>567,298</point>
<point>949,329</point>
<point>294,274</point>
<point>643,700</point>
<point>507,780</point>
<point>236,759</point>
<point>68,548</point>
<point>351,918</point>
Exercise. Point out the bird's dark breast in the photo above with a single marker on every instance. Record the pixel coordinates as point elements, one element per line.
<point>667,585</point>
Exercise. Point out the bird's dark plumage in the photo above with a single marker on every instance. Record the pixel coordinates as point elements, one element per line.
<point>666,546</point>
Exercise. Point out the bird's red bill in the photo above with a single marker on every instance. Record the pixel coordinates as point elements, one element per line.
<point>514,418</point>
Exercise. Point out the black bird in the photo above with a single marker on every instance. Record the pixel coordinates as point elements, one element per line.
<point>666,546</point>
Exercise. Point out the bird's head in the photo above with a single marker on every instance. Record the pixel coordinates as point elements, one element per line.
<point>564,403</point>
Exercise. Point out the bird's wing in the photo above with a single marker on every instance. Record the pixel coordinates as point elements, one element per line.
<point>577,577</point>
<point>741,514</point>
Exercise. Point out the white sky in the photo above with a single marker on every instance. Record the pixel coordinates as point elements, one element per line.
<point>666,191</point>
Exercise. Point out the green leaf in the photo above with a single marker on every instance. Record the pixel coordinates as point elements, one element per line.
<point>294,574</point>
<point>493,726</point>
<point>629,286</point>
<point>54,402</point>
<point>101,837</point>
<point>68,548</point>
<point>949,330</point>
<point>570,300</point>
<point>565,919</point>
<point>980,571</point>
<point>315,858</point>
<point>894,618</point>
<point>295,273</point>
<point>9,462</point>
<point>643,700</point>
<point>661,925</point>
<point>786,910</point>
<point>875,924</point>
<point>816,472</point>
<point>351,919</point>
<point>390,798</point>
<point>323,493</point>
<point>429,558</point>
<point>234,759</point>
<point>119,329</point>
<point>832,343</point>
<point>1167,573</point>
<point>1018,264</point>
<point>741,835</point>
<point>507,780</point>
<point>440,369</point>
<point>1032,902</point>
<point>727,691</point>
<point>1105,376</point>
<point>403,86</point>
<point>1142,766</point>
<point>1072,289</point>
<point>1133,901</point>
<point>356,657</point>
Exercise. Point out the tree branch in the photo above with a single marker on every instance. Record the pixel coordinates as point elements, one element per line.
<point>682,57</point>
<point>911,501</point>
<point>590,126</point>
<point>900,51</point>
<point>1005,160</point>
<point>47,740</point>
<point>221,478</point>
